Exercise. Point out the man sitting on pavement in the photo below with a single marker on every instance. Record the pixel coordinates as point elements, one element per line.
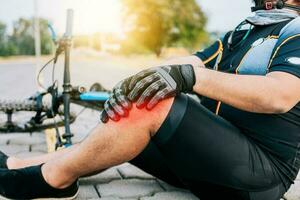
<point>241,142</point>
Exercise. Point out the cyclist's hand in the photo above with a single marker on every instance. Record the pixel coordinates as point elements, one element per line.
<point>150,86</point>
<point>118,105</point>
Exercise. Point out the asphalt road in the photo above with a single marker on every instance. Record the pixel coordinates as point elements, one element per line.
<point>18,78</point>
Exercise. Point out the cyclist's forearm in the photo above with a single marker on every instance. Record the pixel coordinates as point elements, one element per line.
<point>251,93</point>
<point>261,94</point>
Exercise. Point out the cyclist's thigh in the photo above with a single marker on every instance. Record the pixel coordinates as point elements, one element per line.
<point>199,146</point>
<point>152,162</point>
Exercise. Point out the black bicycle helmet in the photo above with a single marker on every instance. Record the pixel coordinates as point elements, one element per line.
<point>270,4</point>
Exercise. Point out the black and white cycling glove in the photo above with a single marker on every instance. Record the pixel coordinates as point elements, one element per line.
<point>147,88</point>
<point>118,105</point>
<point>150,86</point>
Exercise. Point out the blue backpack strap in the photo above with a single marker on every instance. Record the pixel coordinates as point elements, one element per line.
<point>290,31</point>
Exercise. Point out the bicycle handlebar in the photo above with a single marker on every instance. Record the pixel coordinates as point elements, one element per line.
<point>69,26</point>
<point>67,87</point>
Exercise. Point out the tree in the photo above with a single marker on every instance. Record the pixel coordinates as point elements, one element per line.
<point>7,47</point>
<point>22,37</point>
<point>2,32</point>
<point>153,24</point>
<point>21,41</point>
<point>2,38</point>
<point>46,40</point>
<point>188,24</point>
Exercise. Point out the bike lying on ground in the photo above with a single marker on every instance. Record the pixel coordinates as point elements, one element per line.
<point>55,113</point>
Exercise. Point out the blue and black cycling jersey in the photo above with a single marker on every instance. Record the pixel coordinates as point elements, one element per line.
<point>267,49</point>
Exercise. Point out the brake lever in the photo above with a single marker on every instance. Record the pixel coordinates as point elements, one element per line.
<point>37,96</point>
<point>56,100</point>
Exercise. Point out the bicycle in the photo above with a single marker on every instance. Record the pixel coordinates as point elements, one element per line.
<point>55,113</point>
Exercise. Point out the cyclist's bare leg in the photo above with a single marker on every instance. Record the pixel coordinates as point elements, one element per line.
<point>16,163</point>
<point>108,145</point>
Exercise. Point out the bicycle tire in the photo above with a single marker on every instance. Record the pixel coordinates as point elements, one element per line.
<point>12,106</point>
<point>21,105</point>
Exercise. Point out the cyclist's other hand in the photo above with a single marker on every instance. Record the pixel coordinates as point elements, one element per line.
<point>150,86</point>
<point>118,105</point>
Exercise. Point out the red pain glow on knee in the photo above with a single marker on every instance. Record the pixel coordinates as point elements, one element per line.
<point>138,114</point>
<point>142,116</point>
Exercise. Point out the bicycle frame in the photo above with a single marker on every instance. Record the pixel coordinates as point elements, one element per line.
<point>65,45</point>
<point>94,96</point>
<point>67,40</point>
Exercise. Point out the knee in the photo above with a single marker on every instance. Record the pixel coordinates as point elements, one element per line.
<point>145,119</point>
<point>157,116</point>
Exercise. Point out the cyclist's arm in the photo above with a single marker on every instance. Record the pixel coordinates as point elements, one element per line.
<point>277,92</point>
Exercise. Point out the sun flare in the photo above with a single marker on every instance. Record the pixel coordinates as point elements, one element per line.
<point>91,16</point>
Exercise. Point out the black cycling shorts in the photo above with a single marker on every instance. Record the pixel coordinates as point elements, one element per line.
<point>200,151</point>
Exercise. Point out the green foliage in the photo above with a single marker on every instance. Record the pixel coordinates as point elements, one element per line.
<point>21,41</point>
<point>2,31</point>
<point>46,40</point>
<point>2,37</point>
<point>22,37</point>
<point>155,24</point>
<point>188,23</point>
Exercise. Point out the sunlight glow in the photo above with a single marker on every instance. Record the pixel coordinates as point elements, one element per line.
<point>91,16</point>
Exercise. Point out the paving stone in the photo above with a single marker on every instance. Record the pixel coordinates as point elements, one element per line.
<point>3,142</point>
<point>6,137</point>
<point>84,128</point>
<point>123,165</point>
<point>39,135</point>
<point>294,192</point>
<point>22,117</point>
<point>27,139</point>
<point>132,188</point>
<point>298,177</point>
<point>87,198</point>
<point>104,177</point>
<point>14,149</point>
<point>171,196</point>
<point>3,139</point>
<point>87,192</point>
<point>39,148</point>
<point>130,171</point>
<point>117,198</point>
